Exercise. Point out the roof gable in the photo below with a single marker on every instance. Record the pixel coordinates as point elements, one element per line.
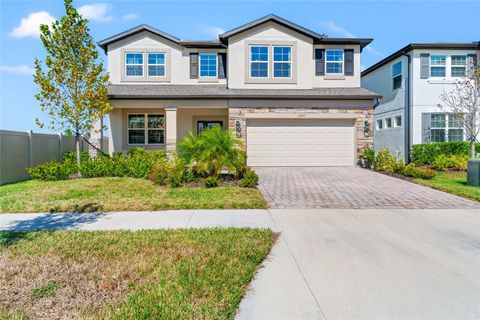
<point>423,46</point>
<point>273,18</point>
<point>130,32</point>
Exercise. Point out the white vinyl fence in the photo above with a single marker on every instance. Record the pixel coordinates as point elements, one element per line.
<point>21,150</point>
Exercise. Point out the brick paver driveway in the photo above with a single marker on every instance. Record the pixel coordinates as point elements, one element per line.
<point>348,187</point>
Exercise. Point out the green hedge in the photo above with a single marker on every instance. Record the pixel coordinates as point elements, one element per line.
<point>427,152</point>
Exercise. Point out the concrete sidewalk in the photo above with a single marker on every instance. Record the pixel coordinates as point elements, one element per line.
<point>173,219</point>
<point>333,263</point>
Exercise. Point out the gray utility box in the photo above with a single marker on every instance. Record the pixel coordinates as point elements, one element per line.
<point>473,172</point>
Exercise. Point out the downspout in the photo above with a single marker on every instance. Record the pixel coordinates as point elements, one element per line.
<point>406,111</point>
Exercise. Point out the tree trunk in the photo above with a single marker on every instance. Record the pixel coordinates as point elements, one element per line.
<point>472,149</point>
<point>77,146</point>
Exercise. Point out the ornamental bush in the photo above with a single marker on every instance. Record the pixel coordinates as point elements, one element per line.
<point>49,171</point>
<point>211,152</point>
<point>443,162</point>
<point>99,166</point>
<point>250,179</point>
<point>368,155</point>
<point>210,182</point>
<point>411,170</point>
<point>427,152</point>
<point>160,173</point>
<point>384,161</point>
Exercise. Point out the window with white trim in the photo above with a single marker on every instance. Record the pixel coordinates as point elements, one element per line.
<point>259,61</point>
<point>438,65</point>
<point>208,65</point>
<point>459,66</point>
<point>397,75</point>
<point>379,124</point>
<point>388,122</point>
<point>146,129</point>
<point>134,64</point>
<point>334,61</point>
<point>282,62</point>
<point>156,64</point>
<point>397,122</point>
<point>446,127</point>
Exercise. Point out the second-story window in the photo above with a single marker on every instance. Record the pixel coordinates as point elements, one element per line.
<point>397,75</point>
<point>208,64</point>
<point>459,66</point>
<point>282,62</point>
<point>134,64</point>
<point>334,61</point>
<point>156,64</point>
<point>438,65</point>
<point>259,61</point>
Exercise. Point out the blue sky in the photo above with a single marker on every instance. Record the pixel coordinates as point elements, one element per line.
<point>391,24</point>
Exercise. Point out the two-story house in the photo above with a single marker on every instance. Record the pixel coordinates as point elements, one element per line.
<point>293,96</point>
<point>411,81</point>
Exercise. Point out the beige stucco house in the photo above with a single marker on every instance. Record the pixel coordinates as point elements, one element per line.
<point>293,96</point>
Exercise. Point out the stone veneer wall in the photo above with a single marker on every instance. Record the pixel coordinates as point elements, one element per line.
<point>365,114</point>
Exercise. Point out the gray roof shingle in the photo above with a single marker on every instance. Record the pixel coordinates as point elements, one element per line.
<point>208,91</point>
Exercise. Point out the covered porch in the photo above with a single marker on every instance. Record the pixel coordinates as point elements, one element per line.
<point>157,124</point>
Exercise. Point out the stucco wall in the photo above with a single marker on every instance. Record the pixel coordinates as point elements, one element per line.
<point>303,60</point>
<point>177,67</point>
<point>426,92</point>
<point>392,104</point>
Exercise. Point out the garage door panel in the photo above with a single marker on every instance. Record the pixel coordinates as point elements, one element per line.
<point>300,143</point>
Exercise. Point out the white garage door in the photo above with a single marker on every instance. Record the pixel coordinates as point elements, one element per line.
<point>300,142</point>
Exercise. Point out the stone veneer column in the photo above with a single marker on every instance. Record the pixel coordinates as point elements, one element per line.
<point>96,138</point>
<point>171,129</point>
<point>234,115</point>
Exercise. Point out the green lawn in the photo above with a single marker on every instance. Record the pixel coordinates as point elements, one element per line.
<point>455,183</point>
<point>161,274</point>
<point>120,194</point>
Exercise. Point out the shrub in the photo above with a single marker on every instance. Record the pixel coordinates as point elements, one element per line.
<point>211,182</point>
<point>99,166</point>
<point>384,161</point>
<point>411,170</point>
<point>399,167</point>
<point>177,171</point>
<point>368,155</point>
<point>443,162</point>
<point>426,153</point>
<point>140,162</point>
<point>211,152</point>
<point>250,179</point>
<point>50,171</point>
<point>160,173</point>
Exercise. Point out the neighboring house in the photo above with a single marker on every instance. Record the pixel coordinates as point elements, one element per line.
<point>293,96</point>
<point>411,81</point>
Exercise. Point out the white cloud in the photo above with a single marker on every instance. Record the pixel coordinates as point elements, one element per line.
<point>130,16</point>
<point>22,70</point>
<point>30,26</point>
<point>95,12</point>
<point>342,32</point>
<point>212,31</point>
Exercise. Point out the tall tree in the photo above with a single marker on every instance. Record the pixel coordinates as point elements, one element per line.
<point>464,101</point>
<point>72,83</point>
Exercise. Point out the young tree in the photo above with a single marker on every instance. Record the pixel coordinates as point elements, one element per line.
<point>464,101</point>
<point>72,84</point>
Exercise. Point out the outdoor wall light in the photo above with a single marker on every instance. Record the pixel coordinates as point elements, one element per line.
<point>238,129</point>
<point>366,128</point>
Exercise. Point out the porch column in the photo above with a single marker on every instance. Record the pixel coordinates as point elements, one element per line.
<point>96,138</point>
<point>171,129</point>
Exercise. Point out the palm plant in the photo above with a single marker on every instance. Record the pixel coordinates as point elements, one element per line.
<point>212,151</point>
